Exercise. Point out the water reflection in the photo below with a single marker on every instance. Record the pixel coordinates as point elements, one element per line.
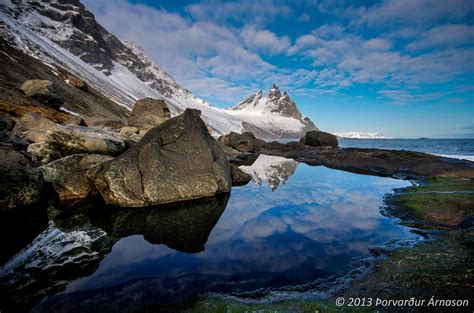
<point>266,239</point>
<point>183,227</point>
<point>272,170</point>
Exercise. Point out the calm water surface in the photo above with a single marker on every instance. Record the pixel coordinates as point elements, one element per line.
<point>289,232</point>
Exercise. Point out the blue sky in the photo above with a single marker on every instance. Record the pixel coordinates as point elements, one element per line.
<point>404,68</point>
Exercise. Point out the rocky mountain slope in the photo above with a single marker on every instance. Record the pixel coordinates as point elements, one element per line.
<point>267,111</point>
<point>63,33</point>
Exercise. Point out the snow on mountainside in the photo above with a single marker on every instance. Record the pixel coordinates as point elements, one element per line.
<point>65,33</point>
<point>275,109</point>
<point>361,135</point>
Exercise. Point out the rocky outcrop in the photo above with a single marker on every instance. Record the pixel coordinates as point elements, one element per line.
<point>72,139</point>
<point>245,142</point>
<point>44,91</point>
<point>21,186</point>
<point>318,138</point>
<point>148,113</point>
<point>33,127</point>
<point>239,177</point>
<point>69,178</point>
<point>178,160</point>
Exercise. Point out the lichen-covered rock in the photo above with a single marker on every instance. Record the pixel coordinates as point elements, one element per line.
<point>148,113</point>
<point>44,91</point>
<point>33,127</point>
<point>21,186</point>
<point>178,160</point>
<point>69,178</point>
<point>72,139</point>
<point>316,138</point>
<point>42,152</point>
<point>245,142</point>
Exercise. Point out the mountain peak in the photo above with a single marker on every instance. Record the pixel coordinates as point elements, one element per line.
<point>275,103</point>
<point>274,93</point>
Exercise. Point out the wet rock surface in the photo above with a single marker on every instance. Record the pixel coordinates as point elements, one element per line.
<point>178,160</point>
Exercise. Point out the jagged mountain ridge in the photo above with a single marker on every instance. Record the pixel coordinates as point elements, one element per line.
<point>275,102</point>
<point>64,33</point>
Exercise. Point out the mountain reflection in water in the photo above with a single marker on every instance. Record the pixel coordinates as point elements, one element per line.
<point>255,242</point>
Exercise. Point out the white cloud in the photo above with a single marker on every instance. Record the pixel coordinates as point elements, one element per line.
<point>444,36</point>
<point>264,41</point>
<point>239,11</point>
<point>415,12</point>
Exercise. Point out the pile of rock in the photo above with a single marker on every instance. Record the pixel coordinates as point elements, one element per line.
<point>154,159</point>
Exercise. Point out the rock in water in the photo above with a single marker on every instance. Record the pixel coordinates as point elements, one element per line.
<point>318,138</point>
<point>21,186</point>
<point>239,177</point>
<point>72,139</point>
<point>69,178</point>
<point>178,160</point>
<point>245,142</point>
<point>44,91</point>
<point>148,113</point>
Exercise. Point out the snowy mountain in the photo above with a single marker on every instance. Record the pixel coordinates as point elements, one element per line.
<point>361,135</point>
<point>64,33</point>
<point>276,109</point>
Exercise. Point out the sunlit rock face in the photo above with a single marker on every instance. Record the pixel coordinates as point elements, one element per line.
<point>271,170</point>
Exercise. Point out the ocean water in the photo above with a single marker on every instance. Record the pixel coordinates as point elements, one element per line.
<point>451,148</point>
<point>294,231</point>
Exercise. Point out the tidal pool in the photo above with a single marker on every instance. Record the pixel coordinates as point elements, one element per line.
<point>295,231</point>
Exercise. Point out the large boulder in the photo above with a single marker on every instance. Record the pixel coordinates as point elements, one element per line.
<point>316,138</point>
<point>69,178</point>
<point>44,91</point>
<point>178,160</point>
<point>72,139</point>
<point>245,142</point>
<point>33,127</point>
<point>21,185</point>
<point>148,113</point>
